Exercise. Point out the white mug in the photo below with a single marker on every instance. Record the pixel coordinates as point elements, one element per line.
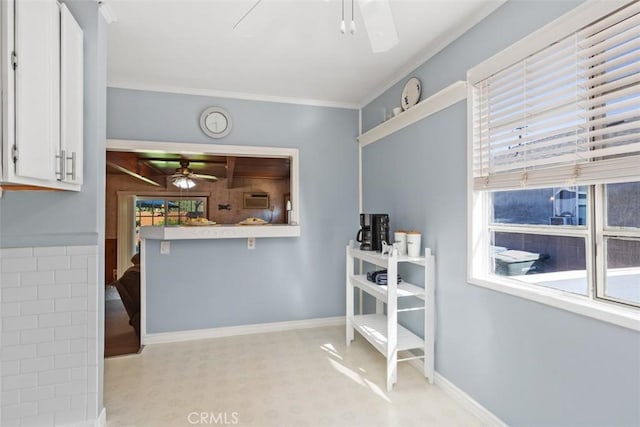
<point>400,237</point>
<point>396,111</point>
<point>413,244</point>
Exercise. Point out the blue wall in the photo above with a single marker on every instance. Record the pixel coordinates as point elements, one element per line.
<point>530,364</point>
<point>208,284</point>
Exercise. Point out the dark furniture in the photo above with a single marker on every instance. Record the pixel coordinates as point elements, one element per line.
<point>128,287</point>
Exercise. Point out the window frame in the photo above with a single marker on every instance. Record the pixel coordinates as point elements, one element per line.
<point>479,203</point>
<point>478,262</point>
<point>166,199</point>
<point>603,232</point>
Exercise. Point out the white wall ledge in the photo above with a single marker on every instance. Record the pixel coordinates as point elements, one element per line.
<point>448,96</point>
<point>219,232</point>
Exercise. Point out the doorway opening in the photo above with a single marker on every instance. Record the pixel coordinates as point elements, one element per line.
<point>159,184</point>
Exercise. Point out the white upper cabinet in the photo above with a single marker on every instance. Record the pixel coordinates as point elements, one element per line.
<point>71,84</point>
<point>42,85</point>
<point>37,88</point>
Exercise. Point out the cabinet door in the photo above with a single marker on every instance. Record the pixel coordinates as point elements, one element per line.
<point>37,82</point>
<point>71,92</point>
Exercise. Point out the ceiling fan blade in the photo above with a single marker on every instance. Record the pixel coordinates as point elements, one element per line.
<point>247,13</point>
<point>379,23</point>
<point>202,176</point>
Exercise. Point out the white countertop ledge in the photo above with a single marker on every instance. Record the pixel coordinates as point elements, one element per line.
<point>219,232</point>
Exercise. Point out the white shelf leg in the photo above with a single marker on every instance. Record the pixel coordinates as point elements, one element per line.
<point>349,310</point>
<point>360,292</point>
<point>429,315</point>
<point>392,320</point>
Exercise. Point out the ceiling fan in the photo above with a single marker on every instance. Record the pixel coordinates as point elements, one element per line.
<point>377,18</point>
<point>184,176</point>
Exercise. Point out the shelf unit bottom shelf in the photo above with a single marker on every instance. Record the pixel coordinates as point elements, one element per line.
<point>374,328</point>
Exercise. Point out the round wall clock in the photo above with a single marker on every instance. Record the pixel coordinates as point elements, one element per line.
<point>411,93</point>
<point>215,122</point>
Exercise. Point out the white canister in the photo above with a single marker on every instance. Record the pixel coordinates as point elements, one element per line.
<point>413,243</point>
<point>400,237</point>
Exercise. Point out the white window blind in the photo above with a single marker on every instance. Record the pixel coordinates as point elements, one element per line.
<point>567,114</point>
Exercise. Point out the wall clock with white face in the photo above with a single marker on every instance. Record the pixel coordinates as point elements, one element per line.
<point>215,122</point>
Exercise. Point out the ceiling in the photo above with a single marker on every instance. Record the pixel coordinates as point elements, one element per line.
<point>284,50</point>
<point>157,166</point>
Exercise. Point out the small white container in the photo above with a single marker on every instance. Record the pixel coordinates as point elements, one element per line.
<point>414,240</point>
<point>400,237</point>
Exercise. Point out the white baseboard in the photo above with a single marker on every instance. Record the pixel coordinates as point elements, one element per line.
<point>102,419</point>
<point>198,334</point>
<point>470,404</point>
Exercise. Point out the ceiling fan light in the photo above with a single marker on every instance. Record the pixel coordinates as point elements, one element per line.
<point>183,182</point>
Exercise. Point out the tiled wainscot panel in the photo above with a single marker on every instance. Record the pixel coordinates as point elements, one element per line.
<point>48,360</point>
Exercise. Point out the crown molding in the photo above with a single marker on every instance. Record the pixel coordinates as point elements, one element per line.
<point>106,12</point>
<point>232,95</point>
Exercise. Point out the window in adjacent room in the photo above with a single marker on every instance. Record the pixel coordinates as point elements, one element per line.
<point>161,211</point>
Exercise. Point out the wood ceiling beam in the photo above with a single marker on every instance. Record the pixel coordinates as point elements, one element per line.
<point>231,166</point>
<point>128,163</point>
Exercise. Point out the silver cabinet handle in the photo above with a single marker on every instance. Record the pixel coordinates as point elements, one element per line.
<point>73,166</point>
<point>62,160</point>
<point>63,175</point>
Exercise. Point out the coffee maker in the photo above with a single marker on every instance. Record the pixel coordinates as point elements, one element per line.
<point>374,229</point>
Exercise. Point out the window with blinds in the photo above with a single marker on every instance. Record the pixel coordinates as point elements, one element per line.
<point>568,114</point>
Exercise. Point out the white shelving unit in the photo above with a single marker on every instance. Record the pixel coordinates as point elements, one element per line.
<point>382,330</point>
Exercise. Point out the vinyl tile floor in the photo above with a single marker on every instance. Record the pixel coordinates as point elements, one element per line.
<point>306,377</point>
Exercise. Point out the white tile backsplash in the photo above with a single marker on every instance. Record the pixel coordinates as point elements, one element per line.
<point>37,307</point>
<point>37,393</point>
<point>34,336</point>
<point>10,309</point>
<point>7,253</point>
<point>34,278</point>
<point>9,338</point>
<point>54,319</point>
<point>17,352</point>
<point>48,363</point>
<point>8,280</point>
<point>82,250</point>
<point>54,291</point>
<point>79,261</point>
<point>19,294</point>
<point>72,276</point>
<point>38,364</point>
<point>19,323</point>
<point>49,263</point>
<point>53,348</point>
<point>71,304</point>
<point>56,376</point>
<point>71,332</point>
<point>18,265</point>
<point>50,251</point>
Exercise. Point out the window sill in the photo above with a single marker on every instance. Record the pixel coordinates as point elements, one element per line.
<point>606,312</point>
<point>219,232</point>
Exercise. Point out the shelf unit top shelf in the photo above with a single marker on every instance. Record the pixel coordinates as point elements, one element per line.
<point>380,260</point>
<point>374,328</point>
<point>405,289</point>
